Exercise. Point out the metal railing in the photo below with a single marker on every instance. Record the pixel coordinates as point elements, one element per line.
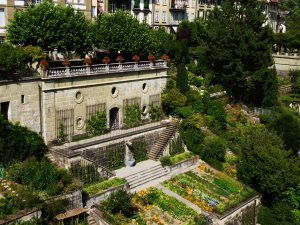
<point>105,68</point>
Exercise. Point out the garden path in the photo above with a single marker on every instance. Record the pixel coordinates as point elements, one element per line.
<point>188,203</point>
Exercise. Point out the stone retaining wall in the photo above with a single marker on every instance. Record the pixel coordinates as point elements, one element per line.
<point>95,199</point>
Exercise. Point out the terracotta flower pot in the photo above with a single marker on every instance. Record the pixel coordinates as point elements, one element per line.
<point>106,60</point>
<point>136,58</point>
<point>151,57</point>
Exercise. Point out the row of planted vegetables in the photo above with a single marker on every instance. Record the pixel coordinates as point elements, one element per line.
<point>151,206</point>
<point>209,189</point>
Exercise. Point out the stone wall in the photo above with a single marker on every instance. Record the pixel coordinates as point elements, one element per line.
<point>285,62</point>
<point>67,99</point>
<point>43,104</point>
<point>24,102</point>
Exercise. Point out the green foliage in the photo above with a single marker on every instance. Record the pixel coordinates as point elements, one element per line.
<point>49,26</point>
<point>287,125</point>
<point>239,52</point>
<point>61,133</point>
<point>295,79</point>
<point>116,157</point>
<point>191,133</point>
<point>181,156</point>
<point>132,115</point>
<point>139,150</point>
<point>165,161</point>
<point>172,99</point>
<point>13,60</point>
<point>120,31</point>
<point>34,53</point>
<point>214,148</point>
<point>87,174</point>
<point>264,164</point>
<point>154,112</point>
<point>182,79</point>
<point>169,204</point>
<point>42,176</point>
<point>176,146</point>
<point>12,203</point>
<point>94,188</point>
<point>119,202</point>
<point>97,124</point>
<point>18,143</point>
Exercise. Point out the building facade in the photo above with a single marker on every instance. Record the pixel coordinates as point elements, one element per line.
<point>65,98</point>
<point>156,13</point>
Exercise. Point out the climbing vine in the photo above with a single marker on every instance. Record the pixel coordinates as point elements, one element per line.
<point>132,115</point>
<point>97,124</point>
<point>139,150</point>
<point>176,146</point>
<point>154,112</point>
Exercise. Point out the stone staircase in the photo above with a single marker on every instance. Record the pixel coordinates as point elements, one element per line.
<point>158,148</point>
<point>95,217</point>
<point>145,176</point>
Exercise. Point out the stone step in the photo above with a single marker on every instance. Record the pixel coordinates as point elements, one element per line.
<point>148,179</point>
<point>143,173</point>
<point>91,220</point>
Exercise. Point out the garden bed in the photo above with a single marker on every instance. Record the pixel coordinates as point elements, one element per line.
<point>100,191</point>
<point>182,161</point>
<point>152,206</point>
<point>211,190</point>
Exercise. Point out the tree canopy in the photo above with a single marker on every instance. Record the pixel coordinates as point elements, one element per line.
<point>18,143</point>
<point>239,51</point>
<point>122,32</point>
<point>49,26</point>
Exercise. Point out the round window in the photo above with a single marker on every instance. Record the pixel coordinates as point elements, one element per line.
<point>145,87</point>
<point>78,97</point>
<point>114,92</point>
<point>79,123</point>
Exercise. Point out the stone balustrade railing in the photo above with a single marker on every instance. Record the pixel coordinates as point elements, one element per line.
<point>104,68</point>
<point>296,55</point>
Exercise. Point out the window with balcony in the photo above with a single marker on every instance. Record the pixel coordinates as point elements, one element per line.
<point>2,18</point>
<point>156,1</point>
<point>164,2</point>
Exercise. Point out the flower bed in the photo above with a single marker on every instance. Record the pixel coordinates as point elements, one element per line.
<point>211,191</point>
<point>155,207</point>
<point>95,188</point>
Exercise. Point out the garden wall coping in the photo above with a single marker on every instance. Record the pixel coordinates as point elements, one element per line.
<point>94,199</point>
<point>24,215</point>
<point>182,164</point>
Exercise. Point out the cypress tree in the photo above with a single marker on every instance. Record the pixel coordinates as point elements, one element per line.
<point>182,79</point>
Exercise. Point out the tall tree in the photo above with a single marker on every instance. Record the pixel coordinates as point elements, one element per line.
<point>182,79</point>
<point>122,32</point>
<point>49,26</point>
<point>265,165</point>
<point>239,49</point>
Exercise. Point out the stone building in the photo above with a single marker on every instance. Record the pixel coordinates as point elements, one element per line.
<point>68,97</point>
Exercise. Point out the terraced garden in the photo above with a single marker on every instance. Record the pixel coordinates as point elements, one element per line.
<point>211,190</point>
<point>153,207</point>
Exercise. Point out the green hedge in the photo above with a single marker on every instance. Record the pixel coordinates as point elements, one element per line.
<point>116,157</point>
<point>132,115</point>
<point>139,150</point>
<point>95,188</point>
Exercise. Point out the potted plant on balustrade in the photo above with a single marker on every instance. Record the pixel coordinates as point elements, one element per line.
<point>106,61</point>
<point>44,66</point>
<point>120,59</point>
<point>165,57</point>
<point>151,58</point>
<point>67,64</point>
<point>88,62</point>
<point>136,59</point>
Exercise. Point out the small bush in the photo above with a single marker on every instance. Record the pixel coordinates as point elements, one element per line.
<point>154,112</point>
<point>119,202</point>
<point>132,115</point>
<point>96,125</point>
<point>165,161</point>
